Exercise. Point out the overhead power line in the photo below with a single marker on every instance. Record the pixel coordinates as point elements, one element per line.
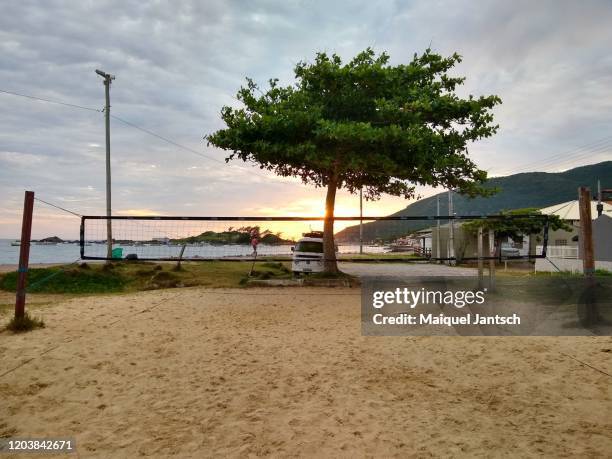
<point>57,102</point>
<point>569,159</point>
<point>135,126</point>
<point>190,150</point>
<point>601,143</point>
<point>126,122</point>
<point>577,153</point>
<point>165,139</point>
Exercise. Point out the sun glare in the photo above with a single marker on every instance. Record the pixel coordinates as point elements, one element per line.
<point>346,206</point>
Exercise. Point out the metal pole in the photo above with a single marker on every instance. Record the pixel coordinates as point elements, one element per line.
<point>599,204</point>
<point>451,229</point>
<point>438,249</point>
<point>109,223</point>
<point>24,254</point>
<point>480,261</point>
<point>178,263</point>
<point>253,265</point>
<point>492,250</point>
<point>361,220</point>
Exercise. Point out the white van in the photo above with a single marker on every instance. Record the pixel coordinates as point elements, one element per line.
<point>308,254</point>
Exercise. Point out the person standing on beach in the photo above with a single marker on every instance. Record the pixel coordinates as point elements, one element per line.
<point>254,239</point>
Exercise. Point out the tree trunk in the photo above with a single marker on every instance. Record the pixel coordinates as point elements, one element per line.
<point>329,246</point>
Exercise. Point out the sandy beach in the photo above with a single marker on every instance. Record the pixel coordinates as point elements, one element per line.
<point>285,372</point>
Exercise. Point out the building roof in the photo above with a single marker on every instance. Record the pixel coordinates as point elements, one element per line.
<point>569,210</point>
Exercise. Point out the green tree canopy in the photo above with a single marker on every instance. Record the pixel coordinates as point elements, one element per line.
<point>516,228</point>
<point>362,125</point>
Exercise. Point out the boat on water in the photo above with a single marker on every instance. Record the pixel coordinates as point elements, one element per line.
<point>18,243</point>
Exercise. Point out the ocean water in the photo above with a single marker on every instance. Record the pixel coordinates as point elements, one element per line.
<point>67,253</point>
<point>60,253</point>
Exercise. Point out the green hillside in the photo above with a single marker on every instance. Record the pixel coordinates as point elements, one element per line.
<point>531,189</point>
<point>234,236</point>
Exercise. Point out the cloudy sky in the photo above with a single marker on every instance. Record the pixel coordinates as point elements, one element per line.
<point>177,63</point>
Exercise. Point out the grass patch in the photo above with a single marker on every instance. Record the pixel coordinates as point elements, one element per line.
<point>25,323</point>
<point>122,277</point>
<point>164,279</point>
<point>277,270</point>
<point>67,280</point>
<point>273,270</point>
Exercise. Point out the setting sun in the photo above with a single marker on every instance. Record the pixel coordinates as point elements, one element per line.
<point>346,206</point>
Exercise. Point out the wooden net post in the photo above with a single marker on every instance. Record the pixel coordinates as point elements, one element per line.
<point>24,254</point>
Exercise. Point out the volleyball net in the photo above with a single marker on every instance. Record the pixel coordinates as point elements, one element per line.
<point>358,239</point>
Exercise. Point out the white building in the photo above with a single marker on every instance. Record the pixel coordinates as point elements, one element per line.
<point>563,246</point>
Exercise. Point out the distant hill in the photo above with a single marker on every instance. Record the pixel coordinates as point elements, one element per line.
<point>234,236</point>
<point>53,239</point>
<point>531,189</point>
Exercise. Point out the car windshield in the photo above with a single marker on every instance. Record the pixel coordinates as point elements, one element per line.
<point>309,246</point>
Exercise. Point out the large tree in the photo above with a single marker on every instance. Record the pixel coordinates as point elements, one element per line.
<point>362,125</point>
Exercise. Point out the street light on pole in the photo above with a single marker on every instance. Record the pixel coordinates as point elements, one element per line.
<point>109,226</point>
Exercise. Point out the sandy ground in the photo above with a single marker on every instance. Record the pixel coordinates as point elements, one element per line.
<point>286,372</point>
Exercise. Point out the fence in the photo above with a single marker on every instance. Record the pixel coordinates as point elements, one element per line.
<point>555,265</point>
<point>560,251</point>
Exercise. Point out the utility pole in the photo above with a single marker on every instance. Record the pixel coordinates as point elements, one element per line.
<point>438,250</point>
<point>451,229</point>
<point>361,220</point>
<point>109,224</point>
<point>480,260</point>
